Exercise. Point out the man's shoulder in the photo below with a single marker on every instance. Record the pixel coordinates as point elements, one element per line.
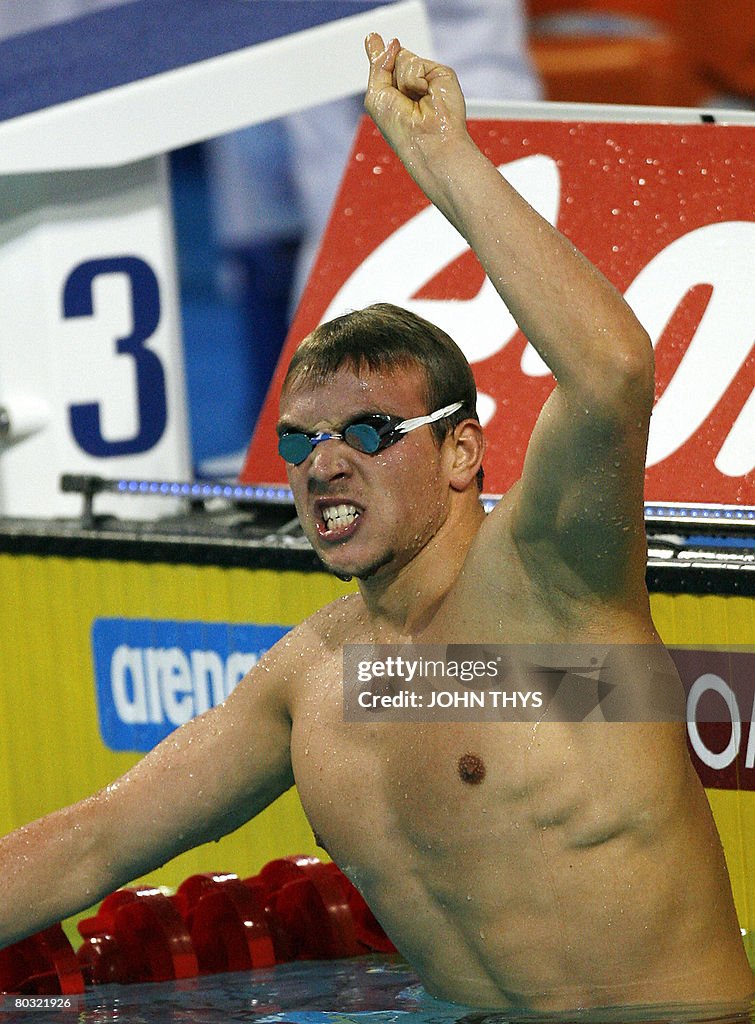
<point>325,630</point>
<point>334,623</point>
<point>299,659</point>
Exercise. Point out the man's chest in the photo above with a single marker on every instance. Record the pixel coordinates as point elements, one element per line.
<point>430,783</point>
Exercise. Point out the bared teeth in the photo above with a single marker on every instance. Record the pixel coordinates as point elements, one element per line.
<point>336,516</point>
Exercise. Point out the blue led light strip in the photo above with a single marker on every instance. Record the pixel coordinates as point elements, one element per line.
<point>730,515</point>
<point>277,494</point>
<point>198,491</point>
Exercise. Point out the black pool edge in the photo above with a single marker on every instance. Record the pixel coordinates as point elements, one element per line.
<point>700,570</point>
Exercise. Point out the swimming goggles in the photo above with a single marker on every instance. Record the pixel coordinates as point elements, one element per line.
<point>370,434</point>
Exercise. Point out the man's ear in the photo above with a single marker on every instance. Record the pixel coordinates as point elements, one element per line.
<point>465,448</point>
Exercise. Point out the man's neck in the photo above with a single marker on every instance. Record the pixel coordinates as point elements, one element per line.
<point>405,600</point>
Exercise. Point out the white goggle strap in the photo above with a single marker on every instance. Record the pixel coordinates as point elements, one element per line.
<point>419,421</point>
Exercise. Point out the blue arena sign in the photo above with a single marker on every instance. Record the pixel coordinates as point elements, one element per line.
<point>153,675</point>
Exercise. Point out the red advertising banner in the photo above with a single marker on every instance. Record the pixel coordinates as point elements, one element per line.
<point>666,211</point>
<point>720,689</point>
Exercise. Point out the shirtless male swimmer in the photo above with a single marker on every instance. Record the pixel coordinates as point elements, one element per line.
<point>583,869</point>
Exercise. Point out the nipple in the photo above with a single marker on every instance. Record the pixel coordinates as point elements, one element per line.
<point>471,768</point>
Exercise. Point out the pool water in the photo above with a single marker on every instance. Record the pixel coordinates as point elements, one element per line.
<point>366,990</point>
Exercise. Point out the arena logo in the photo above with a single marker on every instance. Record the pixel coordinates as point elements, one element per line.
<point>154,675</point>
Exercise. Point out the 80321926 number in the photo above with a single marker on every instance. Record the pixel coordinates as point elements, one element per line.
<point>20,1004</point>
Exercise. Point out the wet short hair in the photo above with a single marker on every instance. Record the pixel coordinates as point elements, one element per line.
<point>384,338</point>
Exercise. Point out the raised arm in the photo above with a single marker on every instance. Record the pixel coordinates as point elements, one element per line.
<point>577,512</point>
<point>202,782</point>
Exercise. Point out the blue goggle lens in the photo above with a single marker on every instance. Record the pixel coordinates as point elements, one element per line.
<point>362,436</point>
<point>294,448</point>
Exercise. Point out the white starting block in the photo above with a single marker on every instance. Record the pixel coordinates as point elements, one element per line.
<point>91,377</point>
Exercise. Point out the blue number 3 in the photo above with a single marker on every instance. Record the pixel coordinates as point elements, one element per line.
<point>150,376</point>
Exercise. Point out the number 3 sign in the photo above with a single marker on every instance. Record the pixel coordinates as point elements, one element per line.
<point>90,359</point>
<point>149,384</point>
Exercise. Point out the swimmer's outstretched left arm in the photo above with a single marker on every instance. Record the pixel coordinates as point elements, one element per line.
<point>578,514</point>
<point>205,780</point>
